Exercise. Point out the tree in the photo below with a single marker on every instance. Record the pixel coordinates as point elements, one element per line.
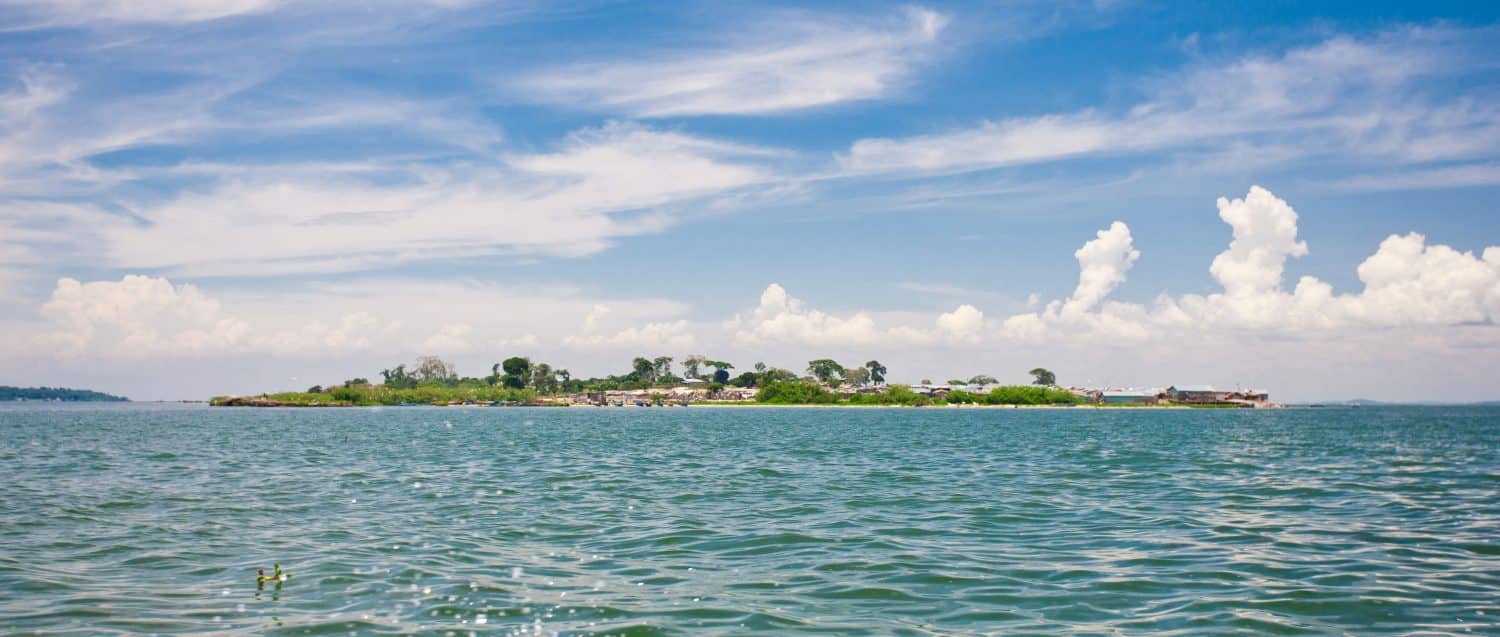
<point>926,381</point>
<point>543,379</point>
<point>857,376</point>
<point>827,371</point>
<point>760,368</point>
<point>517,371</point>
<point>644,369</point>
<point>432,368</point>
<point>691,364</point>
<point>494,377</point>
<point>663,366</point>
<point>981,379</point>
<point>315,389</point>
<point>356,381</point>
<point>877,372</point>
<point>1043,377</point>
<point>956,382</point>
<point>721,370</point>
<point>398,378</point>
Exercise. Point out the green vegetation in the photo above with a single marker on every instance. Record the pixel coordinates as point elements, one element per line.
<point>1017,395</point>
<point>56,393</point>
<point>1042,376</point>
<point>422,393</point>
<point>520,380</point>
<point>805,392</point>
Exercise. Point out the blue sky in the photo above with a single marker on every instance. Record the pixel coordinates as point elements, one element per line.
<point>248,194</point>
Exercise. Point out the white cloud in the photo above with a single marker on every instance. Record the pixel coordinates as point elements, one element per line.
<point>780,318</point>
<point>1364,97</point>
<point>168,11</point>
<point>1407,284</point>
<point>669,336</point>
<point>1459,176</point>
<point>142,317</point>
<point>962,324</point>
<point>1102,264</point>
<point>1265,234</point>
<point>570,203</point>
<point>139,317</point>
<point>353,331</point>
<point>796,63</point>
<point>452,337</point>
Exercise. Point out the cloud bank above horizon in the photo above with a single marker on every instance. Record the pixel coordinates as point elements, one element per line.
<point>276,183</point>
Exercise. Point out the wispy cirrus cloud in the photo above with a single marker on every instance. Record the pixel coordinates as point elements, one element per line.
<point>601,184</point>
<point>1345,95</point>
<point>794,62</point>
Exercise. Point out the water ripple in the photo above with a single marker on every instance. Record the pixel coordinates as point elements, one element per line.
<point>153,519</point>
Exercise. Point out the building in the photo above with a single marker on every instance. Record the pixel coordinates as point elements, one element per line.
<point>1129,397</point>
<point>1194,394</point>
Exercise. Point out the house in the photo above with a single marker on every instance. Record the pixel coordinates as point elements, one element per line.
<point>1128,397</point>
<point>1194,394</point>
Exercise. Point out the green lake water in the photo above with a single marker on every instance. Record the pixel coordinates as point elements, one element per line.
<point>153,519</point>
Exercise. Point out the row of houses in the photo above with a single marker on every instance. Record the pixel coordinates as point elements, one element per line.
<point>1176,394</point>
<point>671,395</point>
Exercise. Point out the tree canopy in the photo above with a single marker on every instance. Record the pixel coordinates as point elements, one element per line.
<point>827,371</point>
<point>1041,376</point>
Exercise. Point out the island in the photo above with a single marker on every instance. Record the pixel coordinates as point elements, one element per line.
<point>653,382</point>
<point>57,394</point>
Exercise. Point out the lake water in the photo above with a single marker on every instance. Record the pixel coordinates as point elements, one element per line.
<point>142,518</point>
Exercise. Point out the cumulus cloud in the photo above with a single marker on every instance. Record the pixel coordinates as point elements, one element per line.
<point>962,325</point>
<point>143,317</point>
<point>1102,264</point>
<point>666,335</point>
<point>796,63</point>
<point>780,318</point>
<point>1407,283</point>
<point>139,316</point>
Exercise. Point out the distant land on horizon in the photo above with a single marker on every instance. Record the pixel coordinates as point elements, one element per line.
<point>1366,402</point>
<point>12,394</point>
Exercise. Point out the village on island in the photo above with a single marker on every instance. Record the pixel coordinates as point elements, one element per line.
<point>653,382</point>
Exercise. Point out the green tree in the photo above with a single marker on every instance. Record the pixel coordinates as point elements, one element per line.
<point>857,376</point>
<point>543,379</point>
<point>1042,376</point>
<point>956,382</point>
<point>644,369</point>
<point>981,379</point>
<point>517,371</point>
<point>877,372</point>
<point>397,378</point>
<point>827,371</point>
<point>721,370</point>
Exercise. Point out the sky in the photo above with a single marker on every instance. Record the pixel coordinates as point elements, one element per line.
<point>202,197</point>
